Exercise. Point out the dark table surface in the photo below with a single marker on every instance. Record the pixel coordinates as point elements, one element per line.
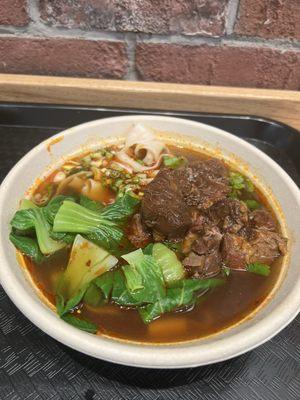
<point>35,366</point>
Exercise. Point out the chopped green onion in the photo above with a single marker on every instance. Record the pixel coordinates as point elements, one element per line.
<point>236,180</point>
<point>249,187</point>
<point>226,270</point>
<point>239,182</point>
<point>174,162</point>
<point>252,204</point>
<point>259,269</point>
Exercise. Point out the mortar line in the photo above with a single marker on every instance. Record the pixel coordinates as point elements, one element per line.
<point>130,40</point>
<point>231,16</point>
<point>276,44</point>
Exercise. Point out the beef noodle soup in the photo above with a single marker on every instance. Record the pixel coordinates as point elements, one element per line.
<point>148,242</point>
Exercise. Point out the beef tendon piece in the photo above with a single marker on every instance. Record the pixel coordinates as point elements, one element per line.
<point>262,219</point>
<point>203,266</point>
<point>204,183</point>
<point>267,246</point>
<point>193,260</point>
<point>163,207</point>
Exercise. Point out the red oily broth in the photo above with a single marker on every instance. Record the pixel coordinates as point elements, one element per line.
<point>220,308</point>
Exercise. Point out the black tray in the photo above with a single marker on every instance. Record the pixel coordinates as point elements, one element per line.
<point>35,366</point>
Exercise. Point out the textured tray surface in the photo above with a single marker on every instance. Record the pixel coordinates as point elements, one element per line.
<point>34,366</point>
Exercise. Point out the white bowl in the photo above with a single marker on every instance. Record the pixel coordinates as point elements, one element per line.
<point>273,316</point>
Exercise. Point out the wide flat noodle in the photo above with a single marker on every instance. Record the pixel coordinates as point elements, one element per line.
<point>145,147</point>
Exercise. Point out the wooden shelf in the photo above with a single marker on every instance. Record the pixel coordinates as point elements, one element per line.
<point>283,106</point>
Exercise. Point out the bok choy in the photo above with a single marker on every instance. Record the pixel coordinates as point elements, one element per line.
<point>102,227</point>
<point>33,220</point>
<point>32,229</point>
<point>183,293</point>
<point>172,268</point>
<point>142,284</point>
<point>87,262</point>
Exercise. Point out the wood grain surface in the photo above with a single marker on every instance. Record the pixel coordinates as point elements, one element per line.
<point>283,106</point>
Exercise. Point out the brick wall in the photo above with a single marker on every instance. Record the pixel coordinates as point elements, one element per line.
<point>252,43</point>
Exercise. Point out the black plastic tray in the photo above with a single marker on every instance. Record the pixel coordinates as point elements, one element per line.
<point>35,366</point>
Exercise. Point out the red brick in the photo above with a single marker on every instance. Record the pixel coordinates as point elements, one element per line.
<point>219,65</point>
<point>13,12</point>
<point>66,57</point>
<point>191,17</point>
<point>269,19</point>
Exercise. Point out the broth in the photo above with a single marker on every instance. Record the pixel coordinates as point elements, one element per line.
<point>220,308</point>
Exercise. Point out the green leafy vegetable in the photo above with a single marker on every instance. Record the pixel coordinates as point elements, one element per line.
<point>25,204</point>
<point>120,294</point>
<point>50,210</point>
<point>27,246</point>
<point>197,284</point>
<point>87,261</point>
<point>121,209</point>
<point>174,162</point>
<point>93,296</point>
<point>148,249</point>
<point>259,269</point>
<point>67,238</point>
<point>252,204</point>
<point>102,227</point>
<point>60,302</point>
<point>74,218</point>
<point>23,221</point>
<point>176,247</point>
<point>80,323</point>
<point>91,204</point>
<point>105,283</point>
<point>167,260</point>
<point>133,278</point>
<point>73,301</point>
<point>141,284</point>
<point>34,219</point>
<point>151,277</point>
<point>181,294</point>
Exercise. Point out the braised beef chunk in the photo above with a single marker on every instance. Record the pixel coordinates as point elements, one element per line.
<point>203,266</point>
<point>236,251</point>
<point>166,205</point>
<point>193,260</point>
<point>204,183</point>
<point>188,241</point>
<point>163,208</point>
<point>208,242</point>
<point>262,219</point>
<point>231,215</point>
<point>266,246</point>
<point>212,265</point>
<point>199,221</point>
<point>205,254</point>
<point>137,233</point>
<point>192,203</point>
